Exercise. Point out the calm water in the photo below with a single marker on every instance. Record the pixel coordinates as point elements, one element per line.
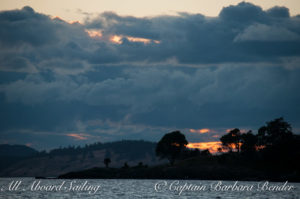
<point>32,188</point>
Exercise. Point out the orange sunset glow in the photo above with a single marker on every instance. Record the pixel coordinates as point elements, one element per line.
<point>61,19</point>
<point>143,40</point>
<point>201,131</point>
<point>78,136</point>
<point>211,146</point>
<point>28,144</point>
<point>94,33</point>
<point>56,17</point>
<point>118,39</point>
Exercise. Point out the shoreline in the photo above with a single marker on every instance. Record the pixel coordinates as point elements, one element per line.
<point>180,174</point>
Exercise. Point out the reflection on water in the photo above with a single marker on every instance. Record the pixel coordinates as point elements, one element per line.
<point>35,188</point>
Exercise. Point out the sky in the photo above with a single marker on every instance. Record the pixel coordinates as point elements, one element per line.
<point>77,73</point>
<point>78,10</point>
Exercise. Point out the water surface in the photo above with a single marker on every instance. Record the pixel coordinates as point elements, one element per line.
<point>100,188</point>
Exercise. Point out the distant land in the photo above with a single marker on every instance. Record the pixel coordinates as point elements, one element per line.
<point>272,154</point>
<point>23,161</point>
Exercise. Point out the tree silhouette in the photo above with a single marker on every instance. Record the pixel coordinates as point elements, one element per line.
<point>107,161</point>
<point>274,133</point>
<point>140,164</point>
<point>171,145</point>
<point>248,142</point>
<point>232,140</point>
<point>220,149</point>
<point>126,166</point>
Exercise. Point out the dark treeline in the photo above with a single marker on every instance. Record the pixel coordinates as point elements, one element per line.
<point>272,153</point>
<point>272,141</point>
<point>274,145</point>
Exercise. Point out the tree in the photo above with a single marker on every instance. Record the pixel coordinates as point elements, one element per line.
<point>140,165</point>
<point>274,133</point>
<point>171,146</point>
<point>280,147</point>
<point>126,166</point>
<point>107,161</point>
<point>220,149</point>
<point>232,140</point>
<point>248,141</point>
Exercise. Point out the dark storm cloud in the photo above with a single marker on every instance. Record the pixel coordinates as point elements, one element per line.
<point>243,13</point>
<point>26,26</point>
<point>197,39</point>
<point>277,11</point>
<point>182,97</point>
<point>239,69</point>
<point>244,33</point>
<point>32,42</point>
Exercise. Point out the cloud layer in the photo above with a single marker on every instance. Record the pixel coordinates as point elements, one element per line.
<point>146,76</point>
